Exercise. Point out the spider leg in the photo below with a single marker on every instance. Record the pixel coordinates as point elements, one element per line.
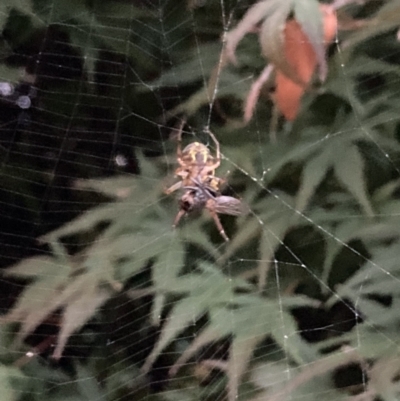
<point>179,139</point>
<point>217,221</point>
<point>210,169</point>
<point>217,150</point>
<point>173,188</point>
<point>179,146</point>
<point>217,154</point>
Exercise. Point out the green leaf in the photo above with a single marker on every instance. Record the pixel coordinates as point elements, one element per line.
<point>208,290</point>
<point>166,269</point>
<point>253,16</point>
<point>37,266</point>
<point>239,357</point>
<point>272,38</point>
<point>229,83</point>
<point>10,74</point>
<point>77,313</point>
<point>88,385</point>
<point>379,275</point>
<point>272,236</point>
<point>221,325</point>
<point>119,10</point>
<point>157,308</point>
<point>85,222</point>
<point>383,377</point>
<point>306,383</point>
<point>268,376</point>
<point>333,247</point>
<point>183,313</point>
<point>387,18</point>
<point>248,231</point>
<point>202,60</point>
<point>23,6</point>
<point>349,169</point>
<point>115,187</point>
<point>64,12</point>
<point>7,376</point>
<point>3,21</point>
<point>313,173</point>
<point>386,191</point>
<point>287,335</point>
<point>164,275</point>
<point>201,239</point>
<point>37,301</point>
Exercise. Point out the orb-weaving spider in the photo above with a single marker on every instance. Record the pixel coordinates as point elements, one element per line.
<point>202,188</point>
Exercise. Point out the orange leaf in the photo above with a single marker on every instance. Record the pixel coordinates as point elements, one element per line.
<point>287,96</point>
<point>330,23</point>
<point>301,56</point>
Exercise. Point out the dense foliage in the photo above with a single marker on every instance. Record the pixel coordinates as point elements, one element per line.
<point>102,300</point>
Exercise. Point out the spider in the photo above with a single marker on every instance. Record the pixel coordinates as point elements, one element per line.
<point>201,186</point>
<point>196,161</point>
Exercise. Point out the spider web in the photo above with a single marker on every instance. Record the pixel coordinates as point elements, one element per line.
<point>300,304</point>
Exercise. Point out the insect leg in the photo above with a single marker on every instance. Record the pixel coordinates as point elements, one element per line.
<point>173,188</point>
<point>180,214</point>
<point>218,224</point>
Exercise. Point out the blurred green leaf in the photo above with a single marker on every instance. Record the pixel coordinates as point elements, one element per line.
<point>79,310</point>
<point>349,169</point>
<point>272,38</point>
<point>386,19</point>
<point>8,375</point>
<point>313,173</point>
<point>202,60</point>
